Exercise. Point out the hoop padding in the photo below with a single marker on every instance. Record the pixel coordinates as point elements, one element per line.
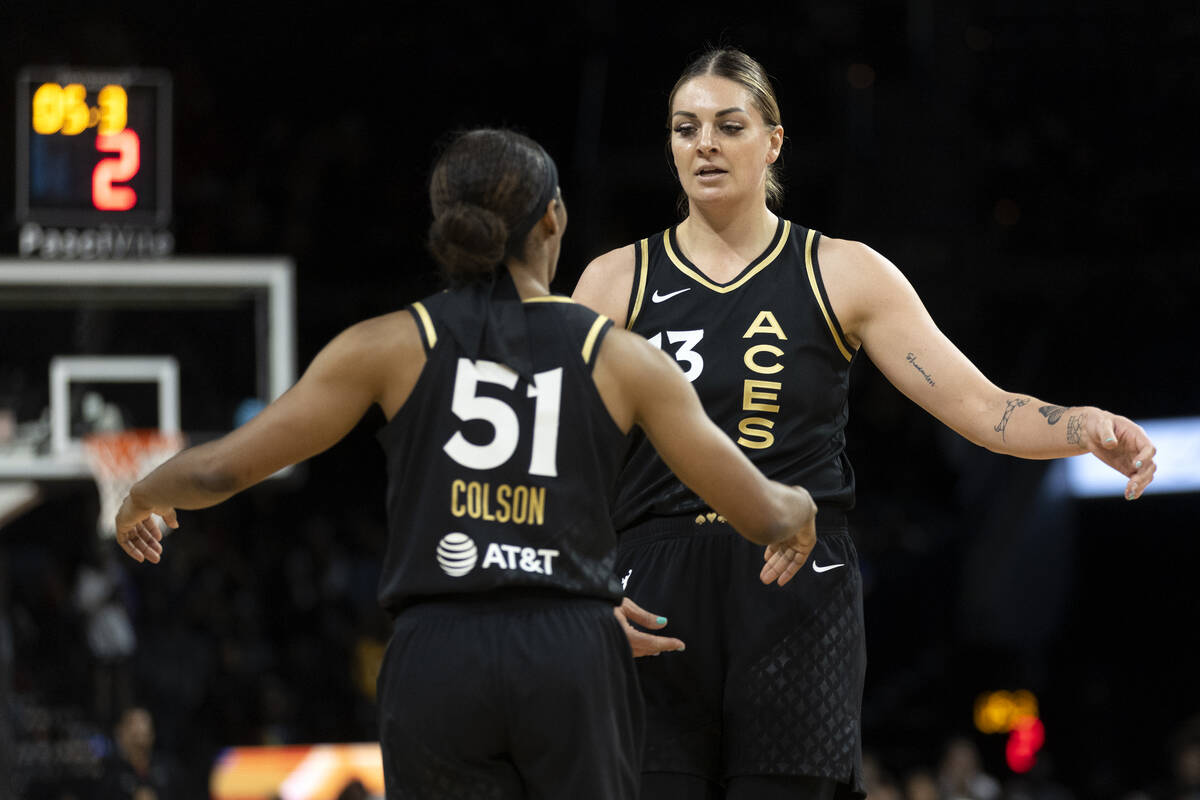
<point>119,460</point>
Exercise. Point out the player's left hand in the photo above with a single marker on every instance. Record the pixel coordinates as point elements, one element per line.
<point>138,533</point>
<point>1123,445</point>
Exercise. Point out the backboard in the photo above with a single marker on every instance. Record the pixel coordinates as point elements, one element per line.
<point>194,345</point>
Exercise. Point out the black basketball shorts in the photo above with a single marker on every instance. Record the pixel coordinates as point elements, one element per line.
<point>510,697</point>
<point>771,681</point>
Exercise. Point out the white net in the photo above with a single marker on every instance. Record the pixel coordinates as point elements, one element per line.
<point>119,460</point>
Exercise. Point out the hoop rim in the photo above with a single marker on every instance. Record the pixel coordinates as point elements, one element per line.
<point>123,452</point>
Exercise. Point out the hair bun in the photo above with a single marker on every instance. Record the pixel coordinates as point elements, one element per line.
<point>468,240</point>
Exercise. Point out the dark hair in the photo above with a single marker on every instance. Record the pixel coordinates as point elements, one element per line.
<point>733,64</point>
<point>486,185</point>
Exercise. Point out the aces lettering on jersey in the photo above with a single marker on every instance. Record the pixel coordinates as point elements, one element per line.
<point>521,504</point>
<point>760,396</point>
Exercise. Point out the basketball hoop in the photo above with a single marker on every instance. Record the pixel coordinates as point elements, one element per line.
<point>119,460</point>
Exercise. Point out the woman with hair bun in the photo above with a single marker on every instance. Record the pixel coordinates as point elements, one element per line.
<point>509,674</point>
<point>766,316</point>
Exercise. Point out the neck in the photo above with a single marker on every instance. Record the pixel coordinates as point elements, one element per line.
<point>531,280</point>
<point>748,227</point>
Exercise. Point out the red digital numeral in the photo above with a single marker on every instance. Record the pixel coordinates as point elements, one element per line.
<point>128,148</point>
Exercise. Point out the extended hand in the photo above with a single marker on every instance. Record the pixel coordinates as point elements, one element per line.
<point>786,558</point>
<point>642,643</point>
<point>1124,446</point>
<point>138,533</point>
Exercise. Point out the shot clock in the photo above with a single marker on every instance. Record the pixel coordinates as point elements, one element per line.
<point>93,152</point>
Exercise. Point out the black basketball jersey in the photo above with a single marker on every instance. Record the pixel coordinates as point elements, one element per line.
<point>495,480</point>
<point>767,357</point>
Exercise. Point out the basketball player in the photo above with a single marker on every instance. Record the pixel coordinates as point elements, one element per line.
<point>508,409</point>
<point>765,316</point>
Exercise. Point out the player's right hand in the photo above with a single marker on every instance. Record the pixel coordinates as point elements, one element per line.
<point>785,558</point>
<point>642,643</point>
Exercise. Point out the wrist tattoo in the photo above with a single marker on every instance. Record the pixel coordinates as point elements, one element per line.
<point>1075,431</point>
<point>1052,413</point>
<point>1012,406</point>
<point>912,359</point>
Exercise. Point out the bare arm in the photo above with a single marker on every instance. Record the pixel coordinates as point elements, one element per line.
<point>606,284</point>
<point>345,378</point>
<point>881,312</point>
<point>642,385</point>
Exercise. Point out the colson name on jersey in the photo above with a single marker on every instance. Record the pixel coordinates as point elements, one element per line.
<point>522,505</point>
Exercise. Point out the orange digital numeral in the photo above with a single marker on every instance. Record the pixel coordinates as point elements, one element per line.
<point>127,146</point>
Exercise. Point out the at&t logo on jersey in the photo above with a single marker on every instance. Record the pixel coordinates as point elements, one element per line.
<point>457,555</point>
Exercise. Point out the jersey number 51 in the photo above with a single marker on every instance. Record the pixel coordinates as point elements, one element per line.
<point>467,405</point>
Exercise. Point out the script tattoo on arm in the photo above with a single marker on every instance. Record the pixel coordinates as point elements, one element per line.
<point>1012,406</point>
<point>912,359</point>
<point>1075,431</point>
<point>1052,413</point>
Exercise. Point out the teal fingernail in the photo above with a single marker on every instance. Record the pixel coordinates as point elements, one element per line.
<point>661,620</point>
<point>1129,495</point>
<point>1110,439</point>
<point>1137,465</point>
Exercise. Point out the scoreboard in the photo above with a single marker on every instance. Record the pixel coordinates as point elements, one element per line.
<point>93,149</point>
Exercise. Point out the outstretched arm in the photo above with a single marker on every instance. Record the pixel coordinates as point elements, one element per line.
<point>345,378</point>
<point>881,312</point>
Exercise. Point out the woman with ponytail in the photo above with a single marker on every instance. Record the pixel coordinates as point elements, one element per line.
<point>509,673</point>
<point>766,316</point>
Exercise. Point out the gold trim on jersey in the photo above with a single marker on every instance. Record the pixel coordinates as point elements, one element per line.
<point>696,276</point>
<point>643,268</point>
<point>548,298</point>
<point>427,322</point>
<point>590,342</point>
<point>812,281</point>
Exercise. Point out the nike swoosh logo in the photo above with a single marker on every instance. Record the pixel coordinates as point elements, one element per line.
<point>818,568</point>
<point>658,298</point>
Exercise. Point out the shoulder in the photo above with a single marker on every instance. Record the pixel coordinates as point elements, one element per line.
<point>845,261</point>
<point>606,283</point>
<point>614,262</point>
<point>633,358</point>
<point>843,253</point>
<point>383,354</point>
<point>628,342</point>
<point>859,282</point>
<point>381,338</point>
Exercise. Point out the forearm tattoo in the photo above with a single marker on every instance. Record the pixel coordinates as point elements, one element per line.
<point>1075,431</point>
<point>1012,406</point>
<point>1052,413</point>
<point>912,359</point>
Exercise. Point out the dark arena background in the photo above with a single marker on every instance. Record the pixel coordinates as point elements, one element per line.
<point>1032,168</point>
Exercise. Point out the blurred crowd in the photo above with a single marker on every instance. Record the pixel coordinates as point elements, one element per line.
<point>260,627</point>
<point>959,774</point>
